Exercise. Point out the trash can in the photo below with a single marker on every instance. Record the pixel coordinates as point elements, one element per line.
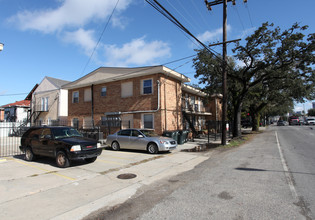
<point>182,136</point>
<point>171,134</point>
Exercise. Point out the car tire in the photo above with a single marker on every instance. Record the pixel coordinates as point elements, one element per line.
<point>29,155</point>
<point>115,146</point>
<point>62,160</point>
<point>153,148</point>
<point>90,160</point>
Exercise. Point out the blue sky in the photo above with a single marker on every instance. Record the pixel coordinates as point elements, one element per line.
<point>57,37</point>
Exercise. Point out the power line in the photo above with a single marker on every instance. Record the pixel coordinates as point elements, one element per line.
<point>15,94</point>
<point>195,6</point>
<point>151,67</point>
<point>239,17</point>
<point>105,27</point>
<point>250,18</point>
<point>156,5</point>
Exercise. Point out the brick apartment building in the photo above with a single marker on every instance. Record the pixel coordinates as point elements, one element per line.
<point>147,97</point>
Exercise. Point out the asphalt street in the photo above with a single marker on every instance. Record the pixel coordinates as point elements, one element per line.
<point>298,144</point>
<point>271,177</point>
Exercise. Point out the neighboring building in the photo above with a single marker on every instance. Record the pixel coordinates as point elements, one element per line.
<point>145,97</point>
<point>313,105</point>
<point>1,114</point>
<point>193,109</point>
<point>49,102</point>
<point>17,111</point>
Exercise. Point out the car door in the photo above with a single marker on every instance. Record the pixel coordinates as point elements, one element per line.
<point>137,140</point>
<point>46,143</point>
<point>34,141</point>
<point>123,137</point>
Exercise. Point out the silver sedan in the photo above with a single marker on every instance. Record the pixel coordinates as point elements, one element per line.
<point>140,140</point>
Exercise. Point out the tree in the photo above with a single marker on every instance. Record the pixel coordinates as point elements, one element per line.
<point>311,112</point>
<point>269,56</point>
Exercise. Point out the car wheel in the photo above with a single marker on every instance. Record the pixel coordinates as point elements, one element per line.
<point>90,160</point>
<point>153,148</point>
<point>62,159</point>
<point>29,155</point>
<point>115,146</point>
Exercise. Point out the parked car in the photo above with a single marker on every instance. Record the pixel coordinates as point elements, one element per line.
<point>140,139</point>
<point>281,123</point>
<point>62,143</point>
<point>310,121</point>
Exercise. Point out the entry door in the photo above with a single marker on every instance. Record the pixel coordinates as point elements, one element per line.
<point>127,121</point>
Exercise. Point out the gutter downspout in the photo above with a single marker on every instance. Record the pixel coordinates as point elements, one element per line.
<point>143,111</point>
<point>92,103</point>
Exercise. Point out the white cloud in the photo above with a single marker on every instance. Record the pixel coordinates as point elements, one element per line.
<point>71,13</point>
<point>247,32</point>
<point>83,38</point>
<point>136,52</point>
<point>211,36</point>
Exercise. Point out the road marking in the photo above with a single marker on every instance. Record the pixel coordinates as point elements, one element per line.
<point>286,171</point>
<point>122,158</point>
<point>39,168</point>
<point>112,162</point>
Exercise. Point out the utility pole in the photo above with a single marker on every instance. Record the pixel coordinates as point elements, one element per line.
<point>224,66</point>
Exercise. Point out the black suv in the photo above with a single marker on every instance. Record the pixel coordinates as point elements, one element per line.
<point>63,143</point>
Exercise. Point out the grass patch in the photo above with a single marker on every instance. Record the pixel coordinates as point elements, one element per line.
<point>238,141</point>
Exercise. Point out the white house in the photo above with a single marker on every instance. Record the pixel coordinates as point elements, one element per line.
<point>49,101</point>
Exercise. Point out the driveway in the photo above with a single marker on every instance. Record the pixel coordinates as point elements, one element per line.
<point>40,190</point>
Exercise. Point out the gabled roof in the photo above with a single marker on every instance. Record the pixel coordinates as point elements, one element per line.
<point>23,103</point>
<point>29,96</point>
<point>57,82</point>
<point>110,74</point>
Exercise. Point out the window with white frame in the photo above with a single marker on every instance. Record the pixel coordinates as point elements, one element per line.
<point>103,91</point>
<point>148,121</point>
<point>127,89</point>
<point>147,86</point>
<point>75,97</point>
<point>87,95</point>
<point>44,104</point>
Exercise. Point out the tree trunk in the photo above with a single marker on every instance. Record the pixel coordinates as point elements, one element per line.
<point>237,120</point>
<point>256,121</point>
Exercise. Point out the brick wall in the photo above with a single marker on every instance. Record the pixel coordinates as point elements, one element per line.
<point>168,117</point>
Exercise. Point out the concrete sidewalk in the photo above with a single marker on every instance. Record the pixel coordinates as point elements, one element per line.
<point>83,189</point>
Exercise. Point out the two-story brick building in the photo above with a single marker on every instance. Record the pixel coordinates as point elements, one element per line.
<point>145,97</point>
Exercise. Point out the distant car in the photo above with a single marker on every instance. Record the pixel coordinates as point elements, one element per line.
<point>140,139</point>
<point>310,121</point>
<point>62,143</point>
<point>281,123</point>
<point>294,120</point>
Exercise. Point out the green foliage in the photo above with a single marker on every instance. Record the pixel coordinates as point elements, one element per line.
<point>311,112</point>
<point>277,70</point>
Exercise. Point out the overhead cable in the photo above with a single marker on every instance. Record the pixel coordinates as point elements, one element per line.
<point>105,27</point>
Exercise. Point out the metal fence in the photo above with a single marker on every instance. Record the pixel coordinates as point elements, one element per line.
<point>10,137</point>
<point>214,129</point>
<point>11,132</point>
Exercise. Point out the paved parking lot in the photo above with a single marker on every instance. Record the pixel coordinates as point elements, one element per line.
<point>41,190</point>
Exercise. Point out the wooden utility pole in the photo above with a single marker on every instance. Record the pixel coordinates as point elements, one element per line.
<point>224,75</point>
<point>224,64</point>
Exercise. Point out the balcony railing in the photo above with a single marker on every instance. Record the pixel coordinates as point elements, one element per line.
<point>40,108</point>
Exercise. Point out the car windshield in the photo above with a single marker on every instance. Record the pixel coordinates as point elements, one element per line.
<point>149,133</point>
<point>65,132</point>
